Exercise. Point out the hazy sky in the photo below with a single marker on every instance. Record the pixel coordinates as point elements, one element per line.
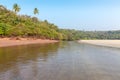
<point>73,14</point>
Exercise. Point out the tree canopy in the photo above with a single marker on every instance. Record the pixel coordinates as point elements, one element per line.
<point>16,8</point>
<point>13,25</point>
<point>36,11</point>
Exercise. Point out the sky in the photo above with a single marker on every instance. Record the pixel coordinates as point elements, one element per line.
<point>73,14</point>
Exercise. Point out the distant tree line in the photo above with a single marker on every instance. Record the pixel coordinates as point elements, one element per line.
<point>14,25</point>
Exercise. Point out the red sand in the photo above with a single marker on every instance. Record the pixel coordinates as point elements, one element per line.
<point>4,42</point>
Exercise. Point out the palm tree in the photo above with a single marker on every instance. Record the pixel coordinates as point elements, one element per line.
<point>16,8</point>
<point>36,11</point>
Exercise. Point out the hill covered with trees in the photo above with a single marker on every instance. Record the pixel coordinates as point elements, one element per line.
<point>14,25</point>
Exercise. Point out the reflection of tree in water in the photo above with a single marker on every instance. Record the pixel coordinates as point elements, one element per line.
<point>28,62</point>
<point>10,56</point>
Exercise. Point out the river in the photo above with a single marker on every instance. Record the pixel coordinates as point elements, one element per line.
<point>59,61</point>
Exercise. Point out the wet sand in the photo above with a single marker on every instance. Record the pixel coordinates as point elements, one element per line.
<point>4,42</point>
<point>107,43</point>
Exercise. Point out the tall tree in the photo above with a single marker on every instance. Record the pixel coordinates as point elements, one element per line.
<point>16,8</point>
<point>36,11</point>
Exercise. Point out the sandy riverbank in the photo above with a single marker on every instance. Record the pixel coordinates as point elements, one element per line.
<point>108,43</point>
<point>4,42</point>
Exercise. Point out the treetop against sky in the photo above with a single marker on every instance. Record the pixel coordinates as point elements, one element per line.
<point>73,14</point>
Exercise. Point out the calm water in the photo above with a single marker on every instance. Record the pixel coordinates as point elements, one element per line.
<point>59,61</point>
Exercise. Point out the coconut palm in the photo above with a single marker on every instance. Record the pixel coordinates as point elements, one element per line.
<point>16,8</point>
<point>36,11</point>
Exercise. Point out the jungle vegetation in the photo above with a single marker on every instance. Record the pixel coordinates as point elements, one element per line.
<point>14,25</point>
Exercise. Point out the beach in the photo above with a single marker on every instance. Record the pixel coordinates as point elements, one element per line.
<point>4,42</point>
<point>107,43</point>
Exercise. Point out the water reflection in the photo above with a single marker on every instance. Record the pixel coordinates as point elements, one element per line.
<point>11,56</point>
<point>59,61</point>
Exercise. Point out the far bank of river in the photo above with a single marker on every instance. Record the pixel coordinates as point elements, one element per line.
<point>108,43</point>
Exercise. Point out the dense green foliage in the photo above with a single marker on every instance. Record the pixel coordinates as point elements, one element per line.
<point>103,34</point>
<point>87,35</point>
<point>12,25</point>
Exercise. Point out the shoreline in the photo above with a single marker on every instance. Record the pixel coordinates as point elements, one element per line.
<point>6,42</point>
<point>106,43</point>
